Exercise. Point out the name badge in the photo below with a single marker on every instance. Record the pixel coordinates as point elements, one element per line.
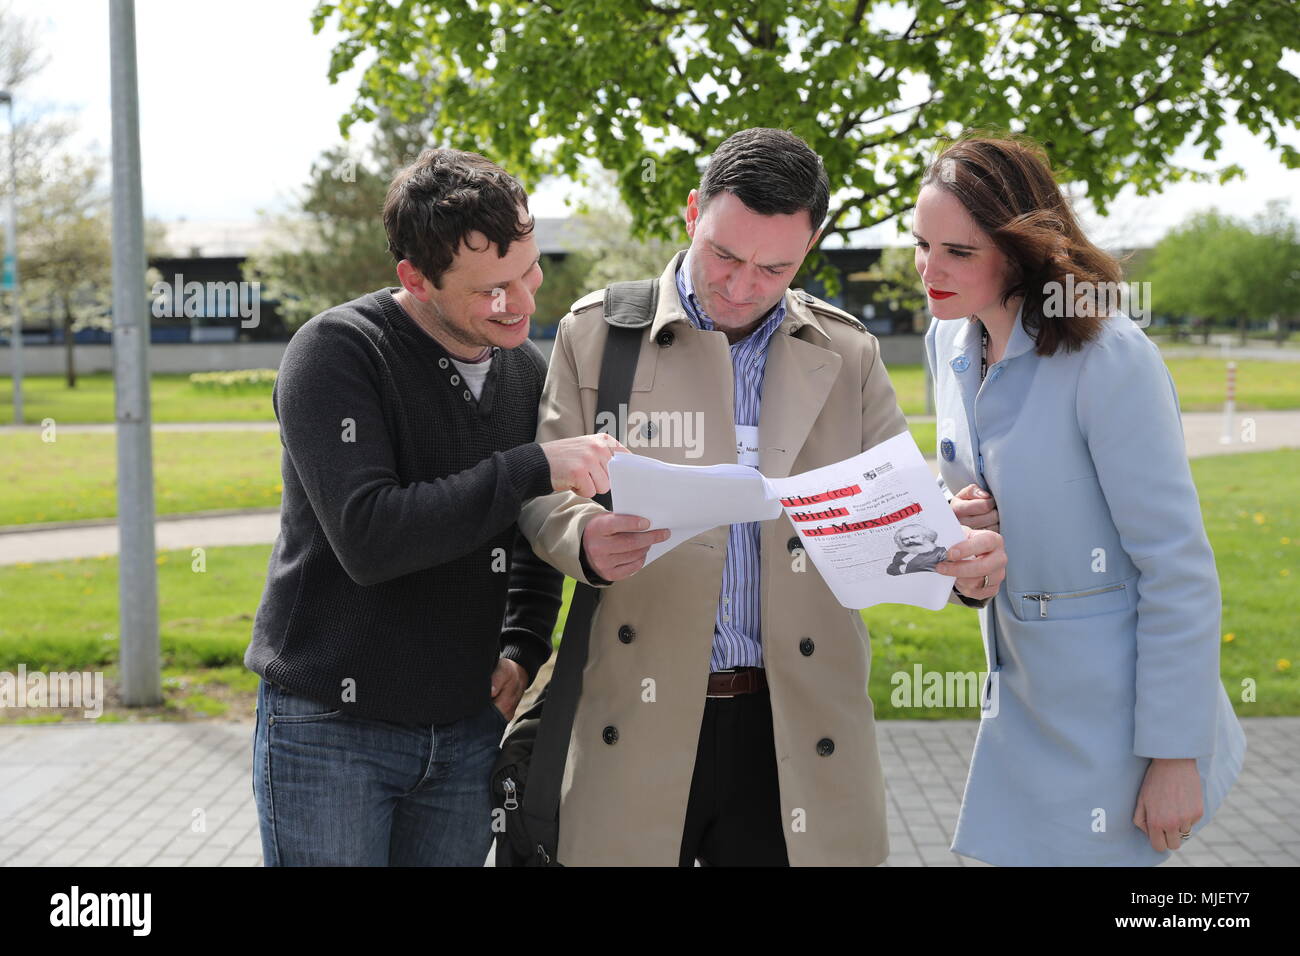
<point>747,445</point>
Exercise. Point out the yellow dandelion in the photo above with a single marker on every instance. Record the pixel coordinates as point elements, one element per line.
<point>1285,572</point>
<point>1286,540</point>
<point>1229,637</point>
<point>1259,517</point>
<point>162,559</point>
<point>1284,665</point>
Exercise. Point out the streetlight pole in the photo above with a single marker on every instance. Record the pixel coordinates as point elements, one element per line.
<point>137,573</point>
<point>11,261</point>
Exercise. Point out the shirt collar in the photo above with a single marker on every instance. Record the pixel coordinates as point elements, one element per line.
<point>697,316</point>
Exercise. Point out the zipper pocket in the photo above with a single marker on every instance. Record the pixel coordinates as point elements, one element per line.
<point>1043,598</point>
<point>511,803</point>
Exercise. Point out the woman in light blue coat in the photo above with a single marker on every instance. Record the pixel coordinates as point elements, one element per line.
<point>1107,737</point>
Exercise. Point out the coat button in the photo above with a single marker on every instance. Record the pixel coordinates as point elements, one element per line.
<point>626,634</point>
<point>664,339</point>
<point>825,747</point>
<point>443,363</point>
<point>609,735</point>
<point>806,647</point>
<point>794,544</point>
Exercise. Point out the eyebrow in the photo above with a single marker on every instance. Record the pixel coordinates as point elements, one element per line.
<point>496,285</point>
<point>950,245</point>
<point>769,265</point>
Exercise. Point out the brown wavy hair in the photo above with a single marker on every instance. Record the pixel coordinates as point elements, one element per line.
<point>1007,185</point>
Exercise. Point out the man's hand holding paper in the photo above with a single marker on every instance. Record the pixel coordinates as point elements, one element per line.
<point>872,524</point>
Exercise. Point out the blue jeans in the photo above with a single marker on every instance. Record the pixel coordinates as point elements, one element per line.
<point>338,790</point>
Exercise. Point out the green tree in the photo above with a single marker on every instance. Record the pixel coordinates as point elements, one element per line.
<point>67,254</point>
<point>64,221</point>
<point>1276,261</point>
<point>900,286</point>
<point>1217,268</point>
<point>647,88</point>
<point>330,247</point>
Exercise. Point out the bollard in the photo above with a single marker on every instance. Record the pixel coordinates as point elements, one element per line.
<point>1229,405</point>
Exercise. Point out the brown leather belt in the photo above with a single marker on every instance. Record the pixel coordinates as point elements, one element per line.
<point>739,680</point>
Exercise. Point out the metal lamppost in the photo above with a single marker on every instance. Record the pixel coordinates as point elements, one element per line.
<point>11,261</point>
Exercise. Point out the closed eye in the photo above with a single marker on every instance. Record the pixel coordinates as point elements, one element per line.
<point>768,269</point>
<point>956,252</point>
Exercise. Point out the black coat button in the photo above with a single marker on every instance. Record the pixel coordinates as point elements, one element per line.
<point>825,746</point>
<point>609,735</point>
<point>794,544</point>
<point>664,339</point>
<point>806,647</point>
<point>626,634</point>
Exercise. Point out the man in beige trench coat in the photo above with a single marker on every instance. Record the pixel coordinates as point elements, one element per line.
<point>730,648</point>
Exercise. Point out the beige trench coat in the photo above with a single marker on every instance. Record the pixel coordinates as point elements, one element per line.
<point>826,397</point>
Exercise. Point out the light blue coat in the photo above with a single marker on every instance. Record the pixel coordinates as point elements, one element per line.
<point>1103,642</point>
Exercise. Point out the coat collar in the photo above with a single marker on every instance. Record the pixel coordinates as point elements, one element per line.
<point>669,310</point>
<point>801,370</point>
<point>967,341</point>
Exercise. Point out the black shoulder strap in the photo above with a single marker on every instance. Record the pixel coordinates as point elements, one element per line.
<point>629,311</point>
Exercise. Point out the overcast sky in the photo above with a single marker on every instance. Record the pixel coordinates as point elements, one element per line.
<point>235,105</point>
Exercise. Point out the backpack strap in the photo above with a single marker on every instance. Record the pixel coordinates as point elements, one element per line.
<point>629,309</point>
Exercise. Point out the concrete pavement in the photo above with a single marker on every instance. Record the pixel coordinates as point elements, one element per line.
<point>180,794</point>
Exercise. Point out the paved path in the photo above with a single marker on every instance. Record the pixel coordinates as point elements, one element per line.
<point>88,539</point>
<point>173,794</point>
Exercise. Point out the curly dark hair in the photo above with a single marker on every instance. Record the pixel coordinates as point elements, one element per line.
<point>435,203</point>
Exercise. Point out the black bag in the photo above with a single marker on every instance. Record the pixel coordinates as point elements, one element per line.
<point>527,776</point>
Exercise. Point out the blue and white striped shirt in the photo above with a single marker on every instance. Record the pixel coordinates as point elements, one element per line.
<point>737,635</point>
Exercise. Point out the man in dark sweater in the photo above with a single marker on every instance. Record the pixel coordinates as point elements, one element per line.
<point>404,615</point>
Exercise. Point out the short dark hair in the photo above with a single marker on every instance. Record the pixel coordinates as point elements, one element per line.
<point>1006,183</point>
<point>436,202</point>
<point>771,171</point>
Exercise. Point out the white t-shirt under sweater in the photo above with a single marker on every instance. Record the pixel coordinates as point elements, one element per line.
<point>475,373</point>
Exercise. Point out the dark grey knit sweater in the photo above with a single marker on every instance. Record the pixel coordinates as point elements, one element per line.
<point>399,575</point>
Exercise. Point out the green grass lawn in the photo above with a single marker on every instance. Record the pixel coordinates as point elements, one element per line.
<point>1200,381</point>
<point>75,476</point>
<point>172,399</point>
<point>63,615</point>
<point>1201,384</point>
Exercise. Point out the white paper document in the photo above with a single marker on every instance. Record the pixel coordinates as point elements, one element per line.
<point>874,525</point>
